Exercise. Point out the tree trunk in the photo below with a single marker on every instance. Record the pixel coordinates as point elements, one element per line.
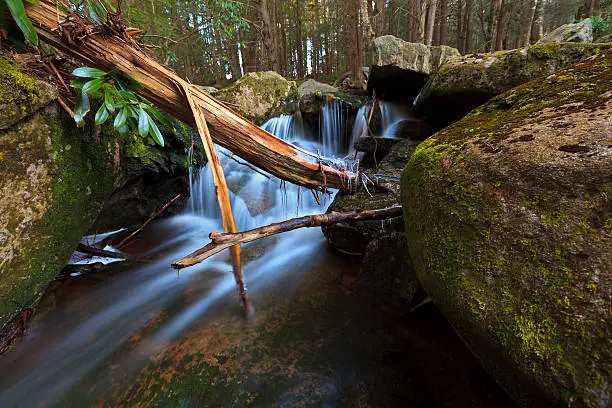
<point>537,27</point>
<point>164,88</point>
<point>267,33</point>
<point>459,26</point>
<point>298,40</point>
<point>530,20</point>
<point>379,17</point>
<point>467,24</point>
<point>368,31</point>
<point>431,19</point>
<point>443,21</point>
<point>422,20</point>
<point>500,31</point>
<point>353,42</point>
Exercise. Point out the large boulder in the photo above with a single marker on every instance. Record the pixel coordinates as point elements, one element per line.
<point>57,182</point>
<point>400,68</point>
<point>581,32</point>
<point>508,220</point>
<point>464,83</point>
<point>258,95</point>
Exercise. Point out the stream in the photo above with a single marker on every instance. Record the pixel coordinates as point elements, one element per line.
<point>146,335</point>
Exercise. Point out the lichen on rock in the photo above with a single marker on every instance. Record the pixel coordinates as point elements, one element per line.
<point>508,222</point>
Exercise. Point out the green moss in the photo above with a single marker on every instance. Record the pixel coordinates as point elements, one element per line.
<point>15,86</point>
<point>544,50</point>
<point>521,291</point>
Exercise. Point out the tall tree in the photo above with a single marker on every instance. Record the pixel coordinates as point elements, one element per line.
<point>298,40</point>
<point>431,19</point>
<point>353,42</point>
<point>537,26</point>
<point>530,20</point>
<point>443,21</point>
<point>268,35</point>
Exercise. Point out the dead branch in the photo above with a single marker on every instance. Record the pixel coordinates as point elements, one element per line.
<point>144,224</point>
<point>110,49</point>
<point>221,241</point>
<point>95,251</point>
<point>221,190</point>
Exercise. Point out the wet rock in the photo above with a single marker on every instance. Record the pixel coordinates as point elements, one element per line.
<point>400,68</point>
<point>507,218</point>
<point>464,83</point>
<point>354,237</point>
<point>376,148</point>
<point>258,95</point>
<point>581,32</point>
<point>387,274</point>
<point>311,86</point>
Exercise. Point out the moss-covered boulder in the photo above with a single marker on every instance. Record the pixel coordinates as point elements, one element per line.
<point>464,83</point>
<point>57,182</point>
<point>54,178</point>
<point>509,225</point>
<point>258,95</point>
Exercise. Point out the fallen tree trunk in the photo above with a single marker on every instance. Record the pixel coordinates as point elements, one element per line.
<point>221,241</point>
<point>104,49</point>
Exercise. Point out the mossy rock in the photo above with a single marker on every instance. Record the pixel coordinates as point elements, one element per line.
<point>464,83</point>
<point>53,180</point>
<point>20,95</point>
<point>259,95</point>
<point>509,225</point>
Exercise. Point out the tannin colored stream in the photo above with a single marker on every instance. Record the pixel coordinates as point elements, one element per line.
<point>146,335</point>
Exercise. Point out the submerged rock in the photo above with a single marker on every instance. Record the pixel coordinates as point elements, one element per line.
<point>581,32</point>
<point>258,95</point>
<point>464,83</point>
<point>387,274</point>
<point>507,217</point>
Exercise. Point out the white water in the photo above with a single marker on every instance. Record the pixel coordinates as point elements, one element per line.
<point>43,369</point>
<point>392,115</point>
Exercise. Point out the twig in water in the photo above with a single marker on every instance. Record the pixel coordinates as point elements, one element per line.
<point>144,224</point>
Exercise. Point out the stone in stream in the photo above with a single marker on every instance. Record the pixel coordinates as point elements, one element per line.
<point>354,237</point>
<point>311,86</point>
<point>463,83</point>
<point>56,179</point>
<point>508,223</point>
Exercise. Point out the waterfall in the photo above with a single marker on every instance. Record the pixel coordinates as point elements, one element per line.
<point>331,129</point>
<point>282,127</point>
<point>392,115</point>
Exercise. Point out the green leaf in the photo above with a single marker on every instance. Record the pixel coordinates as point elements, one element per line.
<point>121,118</point>
<point>101,115</point>
<point>124,130</point>
<point>93,85</point>
<point>157,115</point>
<point>22,20</point>
<point>143,122</point>
<point>129,96</point>
<point>87,72</point>
<point>108,100</point>
<point>155,133</point>
<point>81,107</point>
<point>79,82</point>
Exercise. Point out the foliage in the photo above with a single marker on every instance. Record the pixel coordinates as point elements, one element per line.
<point>18,13</point>
<point>131,112</point>
<point>601,24</point>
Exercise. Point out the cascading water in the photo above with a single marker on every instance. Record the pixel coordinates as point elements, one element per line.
<point>392,115</point>
<point>332,129</point>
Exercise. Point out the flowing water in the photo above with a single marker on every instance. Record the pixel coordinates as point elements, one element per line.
<point>147,335</point>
